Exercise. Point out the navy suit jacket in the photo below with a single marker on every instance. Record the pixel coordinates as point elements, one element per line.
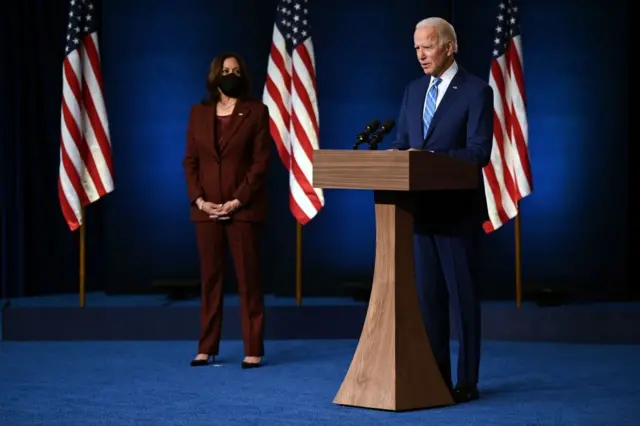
<point>462,127</point>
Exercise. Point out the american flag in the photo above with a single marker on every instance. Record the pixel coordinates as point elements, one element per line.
<point>290,94</point>
<point>86,167</point>
<point>507,177</point>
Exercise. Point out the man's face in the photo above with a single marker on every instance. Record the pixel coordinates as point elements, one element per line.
<point>433,57</point>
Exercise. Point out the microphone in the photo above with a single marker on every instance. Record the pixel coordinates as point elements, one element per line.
<point>380,134</point>
<point>363,137</point>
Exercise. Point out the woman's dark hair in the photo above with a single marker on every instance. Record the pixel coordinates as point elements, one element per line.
<point>215,72</point>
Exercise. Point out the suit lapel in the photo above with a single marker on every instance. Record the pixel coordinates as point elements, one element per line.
<point>448,98</point>
<point>240,112</point>
<point>209,129</point>
<point>418,107</point>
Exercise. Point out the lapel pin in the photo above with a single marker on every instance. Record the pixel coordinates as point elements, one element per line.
<point>455,87</point>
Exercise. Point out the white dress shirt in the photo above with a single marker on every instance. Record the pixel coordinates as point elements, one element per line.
<point>446,77</point>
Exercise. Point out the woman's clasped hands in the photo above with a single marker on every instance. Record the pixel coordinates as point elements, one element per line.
<point>219,211</point>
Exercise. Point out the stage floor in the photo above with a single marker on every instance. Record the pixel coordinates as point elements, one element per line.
<point>155,317</point>
<point>101,300</point>
<point>151,383</point>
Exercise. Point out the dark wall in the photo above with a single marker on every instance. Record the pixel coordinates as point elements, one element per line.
<point>575,225</point>
<point>155,60</point>
<point>38,254</point>
<point>154,72</point>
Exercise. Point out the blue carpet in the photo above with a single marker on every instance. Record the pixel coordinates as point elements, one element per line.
<point>126,383</point>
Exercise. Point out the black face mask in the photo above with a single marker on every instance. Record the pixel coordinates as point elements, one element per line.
<point>231,85</point>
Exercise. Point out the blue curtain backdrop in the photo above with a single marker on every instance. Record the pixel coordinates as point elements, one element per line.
<point>39,255</point>
<point>154,62</point>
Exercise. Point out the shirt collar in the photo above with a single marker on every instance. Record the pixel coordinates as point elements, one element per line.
<point>448,75</point>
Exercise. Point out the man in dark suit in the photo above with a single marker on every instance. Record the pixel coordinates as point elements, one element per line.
<point>448,111</point>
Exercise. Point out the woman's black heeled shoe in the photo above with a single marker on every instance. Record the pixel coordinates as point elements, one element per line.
<point>201,362</point>
<point>246,365</point>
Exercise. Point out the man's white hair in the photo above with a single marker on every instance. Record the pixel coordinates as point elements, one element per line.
<point>446,32</point>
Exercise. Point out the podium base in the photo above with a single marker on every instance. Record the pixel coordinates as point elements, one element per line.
<point>393,367</point>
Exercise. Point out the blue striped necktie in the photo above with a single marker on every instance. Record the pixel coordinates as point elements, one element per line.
<point>430,107</point>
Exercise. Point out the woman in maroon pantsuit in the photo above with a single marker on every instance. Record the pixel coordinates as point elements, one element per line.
<point>227,153</point>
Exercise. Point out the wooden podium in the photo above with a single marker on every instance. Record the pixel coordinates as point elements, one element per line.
<point>393,367</point>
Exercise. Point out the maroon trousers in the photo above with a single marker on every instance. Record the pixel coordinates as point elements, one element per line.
<point>243,241</point>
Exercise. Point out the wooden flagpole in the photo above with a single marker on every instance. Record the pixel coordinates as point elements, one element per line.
<point>518,261</point>
<point>82,258</point>
<point>298,263</point>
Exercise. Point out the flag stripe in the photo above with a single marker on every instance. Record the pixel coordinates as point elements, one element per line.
<point>70,157</point>
<point>501,135</point>
<point>276,98</point>
<point>290,93</point>
<point>86,164</point>
<point>507,177</point>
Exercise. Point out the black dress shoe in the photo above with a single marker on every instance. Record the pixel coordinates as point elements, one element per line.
<point>465,393</point>
<point>201,362</point>
<point>246,365</point>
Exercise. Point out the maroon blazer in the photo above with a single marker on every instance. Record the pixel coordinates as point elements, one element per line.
<point>237,168</point>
